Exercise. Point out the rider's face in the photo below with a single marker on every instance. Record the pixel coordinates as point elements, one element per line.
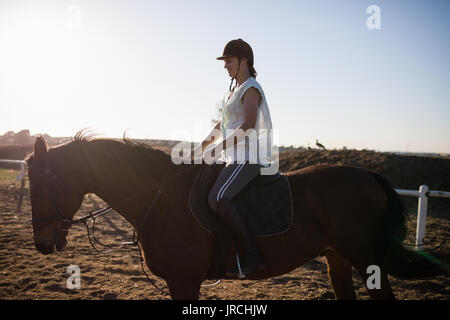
<point>231,64</point>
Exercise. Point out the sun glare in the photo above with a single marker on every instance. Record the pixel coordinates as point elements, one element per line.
<point>40,64</point>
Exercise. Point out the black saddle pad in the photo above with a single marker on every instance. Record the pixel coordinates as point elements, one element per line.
<point>265,203</point>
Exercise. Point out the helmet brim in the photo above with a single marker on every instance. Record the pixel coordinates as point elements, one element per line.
<point>223,57</point>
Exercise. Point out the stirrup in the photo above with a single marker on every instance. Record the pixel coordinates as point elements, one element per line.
<point>241,274</point>
<point>236,272</point>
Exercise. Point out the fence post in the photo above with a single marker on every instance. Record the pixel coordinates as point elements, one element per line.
<point>22,172</point>
<point>421,216</point>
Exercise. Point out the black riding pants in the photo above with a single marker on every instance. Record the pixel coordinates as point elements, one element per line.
<point>233,178</point>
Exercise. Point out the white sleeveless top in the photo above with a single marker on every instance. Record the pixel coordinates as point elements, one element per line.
<point>258,149</point>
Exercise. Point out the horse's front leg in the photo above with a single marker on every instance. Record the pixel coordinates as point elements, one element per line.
<point>184,288</point>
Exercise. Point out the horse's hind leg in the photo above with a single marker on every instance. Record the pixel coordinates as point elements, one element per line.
<point>340,274</point>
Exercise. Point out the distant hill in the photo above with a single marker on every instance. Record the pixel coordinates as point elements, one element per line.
<point>23,137</point>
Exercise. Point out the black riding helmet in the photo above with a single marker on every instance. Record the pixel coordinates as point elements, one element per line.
<point>240,49</point>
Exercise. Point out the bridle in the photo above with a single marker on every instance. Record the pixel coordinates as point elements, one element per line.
<point>58,216</point>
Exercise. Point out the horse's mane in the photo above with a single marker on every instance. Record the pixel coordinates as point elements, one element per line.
<point>84,135</point>
<point>135,149</point>
<point>137,153</point>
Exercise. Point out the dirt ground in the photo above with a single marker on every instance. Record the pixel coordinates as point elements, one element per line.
<point>26,274</point>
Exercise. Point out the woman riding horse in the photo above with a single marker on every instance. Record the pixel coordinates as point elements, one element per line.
<point>243,108</point>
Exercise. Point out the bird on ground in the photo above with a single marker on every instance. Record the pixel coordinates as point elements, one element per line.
<point>319,144</point>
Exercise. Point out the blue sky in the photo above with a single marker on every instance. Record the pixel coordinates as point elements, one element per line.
<point>149,67</point>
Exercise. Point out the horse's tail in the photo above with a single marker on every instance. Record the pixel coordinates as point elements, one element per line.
<point>398,260</point>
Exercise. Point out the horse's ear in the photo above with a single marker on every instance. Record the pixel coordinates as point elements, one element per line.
<point>40,146</point>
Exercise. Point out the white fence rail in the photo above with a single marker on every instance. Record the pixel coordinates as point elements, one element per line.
<point>18,162</point>
<point>423,195</point>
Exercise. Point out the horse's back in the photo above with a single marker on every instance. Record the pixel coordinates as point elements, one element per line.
<point>341,200</point>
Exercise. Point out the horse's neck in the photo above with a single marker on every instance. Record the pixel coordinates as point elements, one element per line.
<point>128,191</point>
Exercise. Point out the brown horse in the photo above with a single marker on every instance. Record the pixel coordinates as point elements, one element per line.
<point>351,215</point>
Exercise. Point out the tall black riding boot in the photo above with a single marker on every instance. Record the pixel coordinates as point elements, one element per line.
<point>251,258</point>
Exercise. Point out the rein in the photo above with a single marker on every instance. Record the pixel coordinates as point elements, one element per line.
<point>92,216</point>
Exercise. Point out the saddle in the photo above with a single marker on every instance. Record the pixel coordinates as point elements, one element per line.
<point>265,204</point>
